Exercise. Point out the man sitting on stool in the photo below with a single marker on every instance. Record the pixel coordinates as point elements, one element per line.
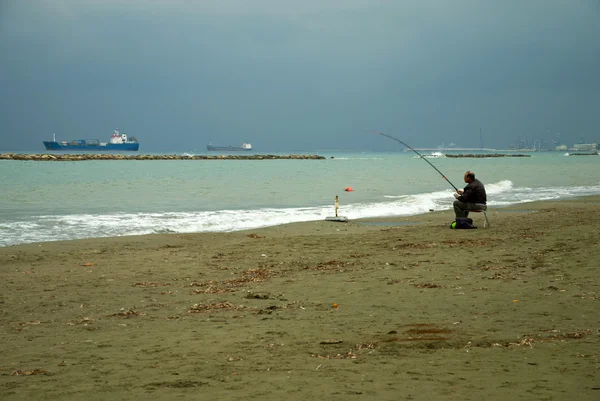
<point>473,197</point>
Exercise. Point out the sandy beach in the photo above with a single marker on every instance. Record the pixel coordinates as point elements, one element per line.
<point>385,309</point>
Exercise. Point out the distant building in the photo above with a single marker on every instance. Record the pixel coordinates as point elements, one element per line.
<point>585,146</point>
<point>561,147</point>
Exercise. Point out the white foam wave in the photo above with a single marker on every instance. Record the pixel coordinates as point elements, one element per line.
<point>432,155</point>
<point>498,187</point>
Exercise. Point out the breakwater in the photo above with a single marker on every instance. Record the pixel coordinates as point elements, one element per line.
<point>110,156</point>
<point>482,155</point>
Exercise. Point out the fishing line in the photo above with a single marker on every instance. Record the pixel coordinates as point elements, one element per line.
<point>420,155</point>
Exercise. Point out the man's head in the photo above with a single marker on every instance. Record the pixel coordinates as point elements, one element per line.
<point>469,177</point>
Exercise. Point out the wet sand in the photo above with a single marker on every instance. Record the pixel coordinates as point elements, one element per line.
<point>385,309</point>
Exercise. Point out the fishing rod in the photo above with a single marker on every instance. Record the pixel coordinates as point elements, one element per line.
<point>420,155</point>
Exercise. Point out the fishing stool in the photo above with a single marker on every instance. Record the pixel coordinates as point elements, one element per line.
<point>482,209</point>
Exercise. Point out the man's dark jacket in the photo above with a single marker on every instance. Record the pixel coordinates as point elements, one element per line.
<point>474,192</point>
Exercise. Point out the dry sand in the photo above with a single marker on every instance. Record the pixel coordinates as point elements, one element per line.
<point>394,309</point>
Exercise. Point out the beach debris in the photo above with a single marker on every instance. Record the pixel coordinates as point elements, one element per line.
<point>84,320</point>
<point>89,264</point>
<point>347,355</point>
<point>468,243</point>
<point>524,341</point>
<point>335,306</point>
<point>416,245</point>
<point>427,285</point>
<point>570,335</point>
<point>258,295</point>
<point>221,255</point>
<point>128,313</point>
<point>149,284</point>
<point>420,332</point>
<point>504,276</point>
<point>428,330</point>
<point>169,246</point>
<point>29,372</point>
<point>252,235</point>
<point>200,308</point>
<point>269,309</point>
<point>336,265</point>
<point>329,342</point>
<point>176,384</point>
<point>213,289</point>
<point>245,276</point>
<point>529,339</point>
<point>33,322</point>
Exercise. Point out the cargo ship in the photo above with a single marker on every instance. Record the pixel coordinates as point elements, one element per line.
<point>244,147</point>
<point>117,141</point>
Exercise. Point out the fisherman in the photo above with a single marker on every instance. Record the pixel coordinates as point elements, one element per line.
<point>472,197</point>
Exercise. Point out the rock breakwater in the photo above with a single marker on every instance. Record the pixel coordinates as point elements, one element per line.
<point>109,156</point>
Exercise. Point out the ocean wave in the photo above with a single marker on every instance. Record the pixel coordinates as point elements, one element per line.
<point>76,226</point>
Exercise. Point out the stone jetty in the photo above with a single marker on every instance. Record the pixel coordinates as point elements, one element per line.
<point>110,156</point>
<point>481,155</point>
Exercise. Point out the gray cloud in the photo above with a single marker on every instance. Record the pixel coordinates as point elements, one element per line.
<point>292,75</point>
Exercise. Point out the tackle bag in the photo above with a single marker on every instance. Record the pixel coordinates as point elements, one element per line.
<point>462,222</point>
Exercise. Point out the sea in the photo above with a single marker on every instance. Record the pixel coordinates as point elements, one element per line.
<point>50,201</point>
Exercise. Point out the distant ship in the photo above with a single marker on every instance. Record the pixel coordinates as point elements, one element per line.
<point>117,141</point>
<point>245,146</point>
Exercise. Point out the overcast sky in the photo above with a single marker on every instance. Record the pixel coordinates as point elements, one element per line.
<point>290,75</point>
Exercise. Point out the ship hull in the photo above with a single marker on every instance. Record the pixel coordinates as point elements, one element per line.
<point>55,145</point>
<point>227,149</point>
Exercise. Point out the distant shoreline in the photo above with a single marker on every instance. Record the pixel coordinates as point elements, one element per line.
<point>112,156</point>
<point>482,155</point>
<point>486,150</point>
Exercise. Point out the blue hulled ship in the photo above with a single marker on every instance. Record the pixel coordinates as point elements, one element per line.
<point>117,141</point>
